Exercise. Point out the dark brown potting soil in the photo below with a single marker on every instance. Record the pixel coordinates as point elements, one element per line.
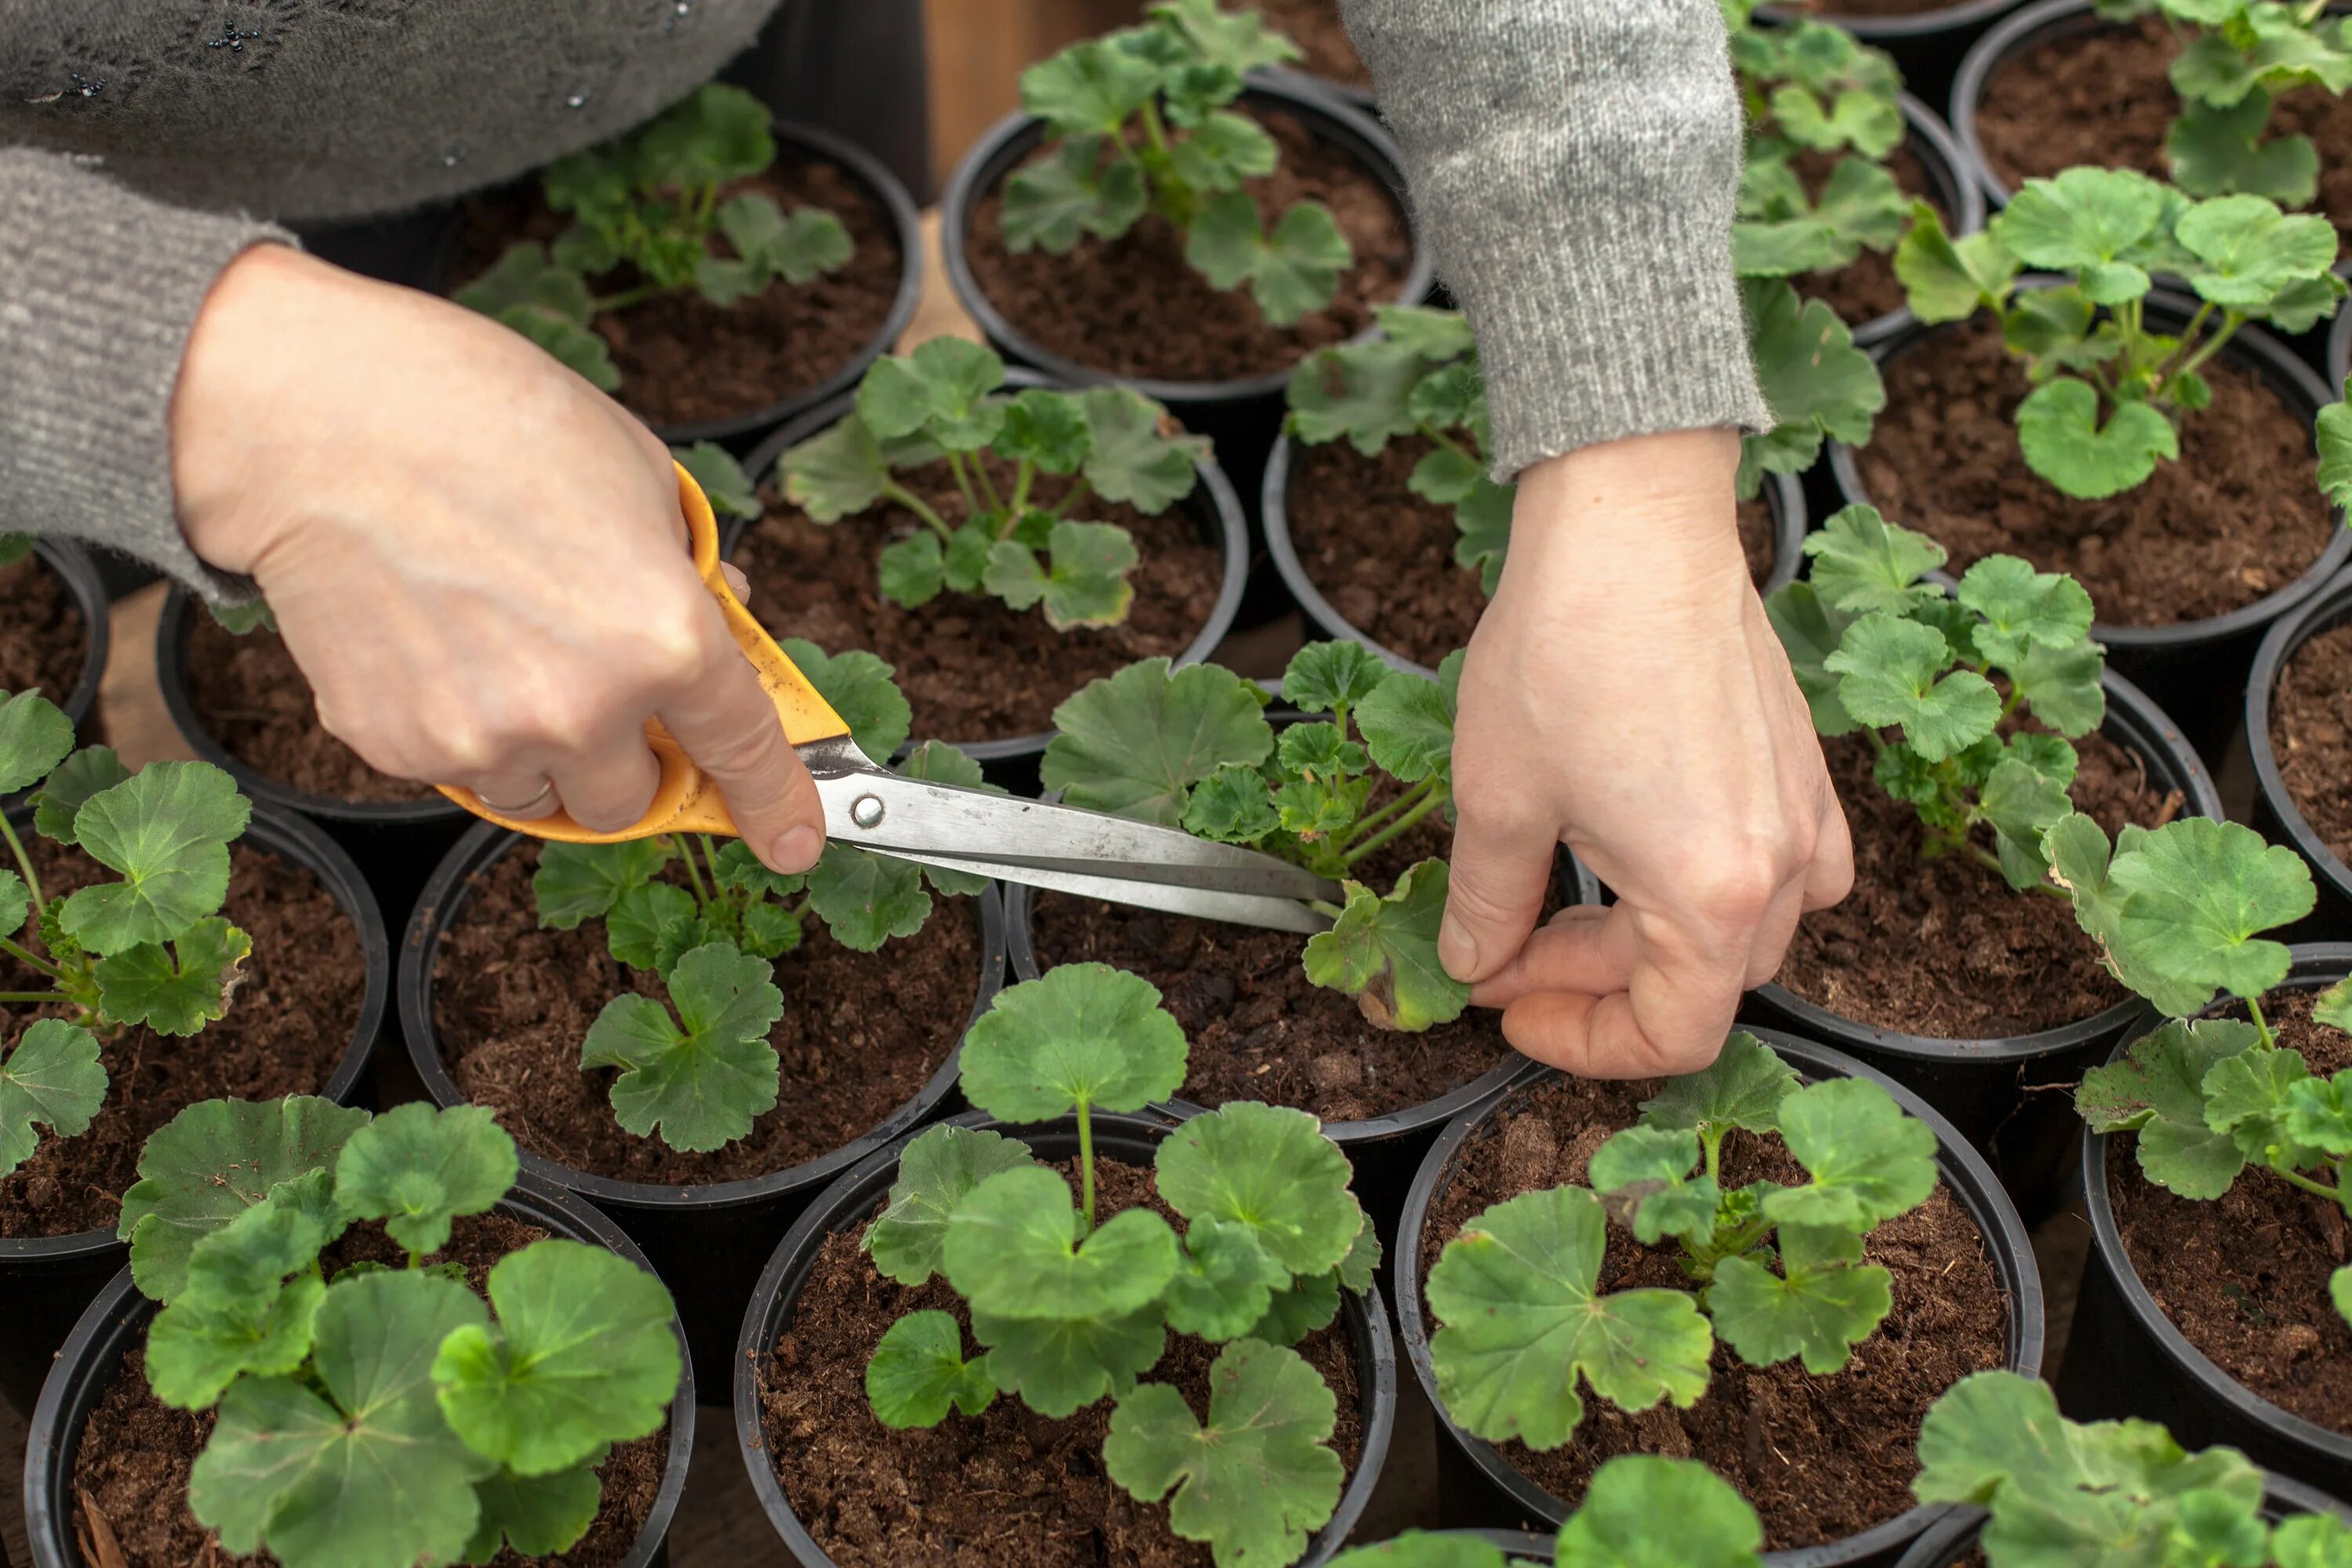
<point>1006,1488</point>
<point>1315,27</point>
<point>1260,1029</point>
<point>130,1474</point>
<point>1866,287</point>
<point>1383,556</point>
<point>1946,948</point>
<point>2245,1276</point>
<point>1134,306</point>
<point>42,642</point>
<point>973,668</point>
<point>2311,735</point>
<point>685,360</point>
<point>2107,98</point>
<point>289,1024</point>
<point>861,1032</point>
<point>251,697</point>
<point>1821,1457</point>
<point>2236,519</point>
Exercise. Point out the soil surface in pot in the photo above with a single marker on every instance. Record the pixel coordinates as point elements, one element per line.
<point>2311,735</point>
<point>973,668</point>
<point>42,642</point>
<point>2236,519</point>
<point>131,1471</point>
<point>1946,948</point>
<point>288,1026</point>
<point>1133,306</point>
<point>1866,287</point>
<point>2245,1276</point>
<point>1384,557</point>
<point>1821,1457</point>
<point>1260,1029</point>
<point>2107,98</point>
<point>253,699</point>
<point>1315,28</point>
<point>861,1033</point>
<point>685,360</point>
<point>1007,1489</point>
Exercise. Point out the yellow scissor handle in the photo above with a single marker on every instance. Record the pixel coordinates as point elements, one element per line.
<point>687,800</point>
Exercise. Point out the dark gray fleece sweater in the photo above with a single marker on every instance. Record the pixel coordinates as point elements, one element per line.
<point>1572,161</point>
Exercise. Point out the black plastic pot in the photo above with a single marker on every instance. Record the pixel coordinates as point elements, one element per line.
<point>1241,417</point>
<point>1951,1540</point>
<point>1494,1491</point>
<point>1928,44</point>
<point>2026,27</point>
<point>853,1199</point>
<point>2195,669</point>
<point>2275,814</point>
<point>73,565</point>
<point>2125,1356</point>
<point>706,1242</point>
<point>395,842</point>
<point>1216,510</point>
<point>117,1322</point>
<point>47,1281</point>
<point>2009,1096</point>
<point>2339,348</point>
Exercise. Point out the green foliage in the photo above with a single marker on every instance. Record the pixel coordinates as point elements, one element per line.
<point>62,795</point>
<point>724,483</point>
<point>647,202</point>
<point>1084,1036</point>
<point>1874,645</point>
<point>1819,386</point>
<point>936,1172</point>
<point>417,1168</point>
<point>2109,390</point>
<point>14,547</point>
<point>34,737</point>
<point>1643,1511</point>
<point>701,1086</point>
<point>53,1079</point>
<point>1139,122</point>
<point>917,1372</point>
<point>1269,1169</point>
<point>942,403</point>
<point>1383,951</point>
<point>1137,742</point>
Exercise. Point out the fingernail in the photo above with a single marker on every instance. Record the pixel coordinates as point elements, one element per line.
<point>795,850</point>
<point>1456,949</point>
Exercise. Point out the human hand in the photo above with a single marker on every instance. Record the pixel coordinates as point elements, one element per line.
<point>1625,694</point>
<point>476,558</point>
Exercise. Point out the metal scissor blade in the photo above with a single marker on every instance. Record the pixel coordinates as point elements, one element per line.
<point>1237,909</point>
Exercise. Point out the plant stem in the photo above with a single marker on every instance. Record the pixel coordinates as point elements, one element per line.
<point>2230,325</point>
<point>1329,911</point>
<point>628,296</point>
<point>416,1260</point>
<point>703,204</point>
<point>987,483</point>
<point>1401,825</point>
<point>2296,1178</point>
<point>963,483</point>
<point>893,491</point>
<point>1401,802</point>
<point>34,999</point>
<point>24,862</point>
<point>694,874</point>
<point>1078,493</point>
<point>1022,480</point>
<point>1979,852</point>
<point>27,957</point>
<point>1086,1166</point>
<point>1451,445</point>
<point>2262,1025</point>
<point>1711,1138</point>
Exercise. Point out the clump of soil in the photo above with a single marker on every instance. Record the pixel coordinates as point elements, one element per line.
<point>2107,98</point>
<point>43,641</point>
<point>1946,948</point>
<point>1008,1486</point>
<point>2236,519</point>
<point>252,697</point>
<point>2245,1276</point>
<point>1383,556</point>
<point>2311,735</point>
<point>973,668</point>
<point>860,1035</point>
<point>1133,306</point>
<point>131,1471</point>
<point>1820,1458</point>
<point>685,360</point>
<point>288,1026</point>
<point>1866,287</point>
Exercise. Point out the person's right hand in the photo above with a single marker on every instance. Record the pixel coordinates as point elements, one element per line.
<point>476,558</point>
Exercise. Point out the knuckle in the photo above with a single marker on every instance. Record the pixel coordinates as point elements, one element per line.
<point>1736,887</point>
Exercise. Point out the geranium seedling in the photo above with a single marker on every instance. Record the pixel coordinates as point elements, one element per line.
<point>1639,1511</point>
<point>1779,1270</point>
<point>150,948</point>
<point>1140,122</point>
<point>646,213</point>
<point>943,404</point>
<point>371,1416</point>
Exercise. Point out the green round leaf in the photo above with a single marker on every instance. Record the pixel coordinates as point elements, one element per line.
<point>703,1086</point>
<point>53,1079</point>
<point>1136,743</point>
<point>1383,952</point>
<point>166,831</point>
<point>2058,430</point>
<point>935,1174</point>
<point>1013,1250</point>
<point>1268,1168</point>
<point>1644,1511</point>
<point>417,1168</point>
<point>917,1372</point>
<point>1084,1035</point>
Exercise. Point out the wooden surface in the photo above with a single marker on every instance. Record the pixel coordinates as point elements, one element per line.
<point>977,50</point>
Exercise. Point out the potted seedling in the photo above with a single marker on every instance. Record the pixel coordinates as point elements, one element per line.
<point>700,1041</point>
<point>384,1375</point>
<point>1638,1508</point>
<point>1058,1268</point>
<point>53,632</point>
<point>1927,38</point>
<point>711,288</point>
<point>1632,1261</point>
<point>2240,1134</point>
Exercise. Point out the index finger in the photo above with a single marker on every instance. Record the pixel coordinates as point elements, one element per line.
<point>729,725</point>
<point>1671,1016</point>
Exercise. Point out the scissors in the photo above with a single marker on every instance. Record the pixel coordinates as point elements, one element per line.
<point>1063,847</point>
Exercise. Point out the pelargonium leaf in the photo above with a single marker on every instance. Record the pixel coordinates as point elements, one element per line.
<point>715,134</point>
<point>1363,1260</point>
<point>1135,454</point>
<point>2157,1090</point>
<point>2058,430</point>
<point>652,926</point>
<point>1223,149</point>
<point>2319,1111</point>
<point>1055,200</point>
<point>1308,1304</point>
<point>701,1086</point>
<point>1013,1250</point>
<point>1891,672</point>
<point>2250,1097</point>
<point>79,777</point>
<point>2023,607</point>
<point>836,473</point>
<point>857,686</point>
<point>1058,1365</point>
<point>795,247</point>
<point>1945,279</point>
<point>1268,1168</point>
<point>1360,390</point>
<point>2334,1006</point>
<point>1084,1035</point>
<point>864,899</point>
<point>526,278</point>
<point>2317,1539</point>
<point>1423,1549</point>
<point>1869,1160</point>
<point>1824,1303</point>
<point>584,1353</point>
<point>1819,386</point>
<point>15,903</point>
<point>1225,1281</point>
<point>1810,631</point>
<point>2063,687</point>
<point>240,1314</point>
<point>1522,1320</point>
<point>936,1172</point>
<point>917,1373</point>
<point>1332,676</point>
<point>417,1168</point>
<point>1237,40</point>
<point>54,1079</point>
<point>724,483</point>
<point>1232,805</point>
<point>1383,952</point>
<point>1257,1476</point>
<point>2196,892</point>
<point>912,572</point>
<point>2021,805</point>
<point>1084,581</point>
<point>2085,221</point>
<point>576,882</point>
<point>536,1515</point>
<point>2252,251</point>
<point>1861,564</point>
<point>1135,743</point>
<point>1744,1087</point>
<point>1407,722</point>
<point>166,831</point>
<point>2334,430</point>
<point>1089,89</point>
<point>1044,428</point>
<point>1291,271</point>
<point>1642,1511</point>
<point>1644,1174</point>
<point>2217,150</point>
<point>179,990</point>
<point>940,391</point>
<point>1483,523</point>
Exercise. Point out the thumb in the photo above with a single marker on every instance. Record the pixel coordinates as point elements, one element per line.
<point>1502,867</point>
<point>729,726</point>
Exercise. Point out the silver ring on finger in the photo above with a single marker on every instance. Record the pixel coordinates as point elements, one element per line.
<point>546,789</point>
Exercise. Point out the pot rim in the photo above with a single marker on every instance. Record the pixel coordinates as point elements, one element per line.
<point>2030,24</point>
<point>444,900</point>
<point>1918,25</point>
<point>1211,503</point>
<point>1961,1168</point>
<point>119,1311</point>
<point>290,839</point>
<point>1003,144</point>
<point>72,564</point>
<point>2324,611</point>
<point>779,1290</point>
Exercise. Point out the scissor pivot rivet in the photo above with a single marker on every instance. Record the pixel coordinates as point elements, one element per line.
<point>866,811</point>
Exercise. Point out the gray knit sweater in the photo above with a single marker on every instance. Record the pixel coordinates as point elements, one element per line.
<point>1572,161</point>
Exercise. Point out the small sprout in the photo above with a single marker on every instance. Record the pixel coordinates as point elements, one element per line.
<point>917,1372</point>
<point>701,1086</point>
<point>53,1079</point>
